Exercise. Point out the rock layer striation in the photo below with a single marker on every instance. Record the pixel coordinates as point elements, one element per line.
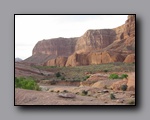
<point>93,47</point>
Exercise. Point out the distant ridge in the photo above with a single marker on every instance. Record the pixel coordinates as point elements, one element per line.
<point>18,59</point>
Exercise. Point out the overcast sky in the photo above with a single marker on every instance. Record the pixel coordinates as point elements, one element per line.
<point>29,29</point>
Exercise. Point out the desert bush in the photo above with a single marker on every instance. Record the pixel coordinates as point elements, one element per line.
<point>26,83</point>
<point>86,77</point>
<point>131,102</point>
<point>124,87</point>
<point>124,76</point>
<point>105,87</point>
<point>58,74</point>
<point>65,91</point>
<point>113,76</point>
<point>84,92</point>
<point>105,71</point>
<point>52,90</point>
<point>63,78</point>
<point>57,91</point>
<point>116,76</point>
<point>112,96</point>
<point>53,82</point>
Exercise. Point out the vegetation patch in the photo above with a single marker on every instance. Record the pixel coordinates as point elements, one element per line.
<point>124,76</point>
<point>116,76</point>
<point>77,73</point>
<point>26,83</point>
<point>58,74</point>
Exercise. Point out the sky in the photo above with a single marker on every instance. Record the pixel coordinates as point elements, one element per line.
<point>29,29</point>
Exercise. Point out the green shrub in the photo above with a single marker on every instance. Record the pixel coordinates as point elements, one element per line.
<point>113,76</point>
<point>106,71</point>
<point>86,77</point>
<point>124,76</point>
<point>26,83</point>
<point>63,78</point>
<point>124,87</point>
<point>58,74</point>
<point>112,96</point>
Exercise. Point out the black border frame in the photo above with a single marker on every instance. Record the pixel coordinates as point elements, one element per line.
<point>97,106</point>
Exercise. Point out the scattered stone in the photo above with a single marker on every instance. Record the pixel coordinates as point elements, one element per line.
<point>104,91</point>
<point>120,100</point>
<point>67,95</point>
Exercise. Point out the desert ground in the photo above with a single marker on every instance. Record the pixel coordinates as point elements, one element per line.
<point>95,90</point>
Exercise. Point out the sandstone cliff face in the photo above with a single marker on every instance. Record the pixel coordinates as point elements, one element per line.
<point>77,59</point>
<point>104,57</point>
<point>94,47</point>
<point>59,61</point>
<point>95,40</point>
<point>57,47</point>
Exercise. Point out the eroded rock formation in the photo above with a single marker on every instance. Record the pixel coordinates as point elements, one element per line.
<point>93,47</point>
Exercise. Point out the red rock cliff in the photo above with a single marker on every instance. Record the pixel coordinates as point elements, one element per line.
<point>94,47</point>
<point>57,46</point>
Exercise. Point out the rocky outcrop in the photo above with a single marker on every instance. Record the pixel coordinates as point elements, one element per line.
<point>77,59</point>
<point>95,40</point>
<point>58,46</point>
<point>130,58</point>
<point>104,57</point>
<point>59,61</point>
<point>93,47</point>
